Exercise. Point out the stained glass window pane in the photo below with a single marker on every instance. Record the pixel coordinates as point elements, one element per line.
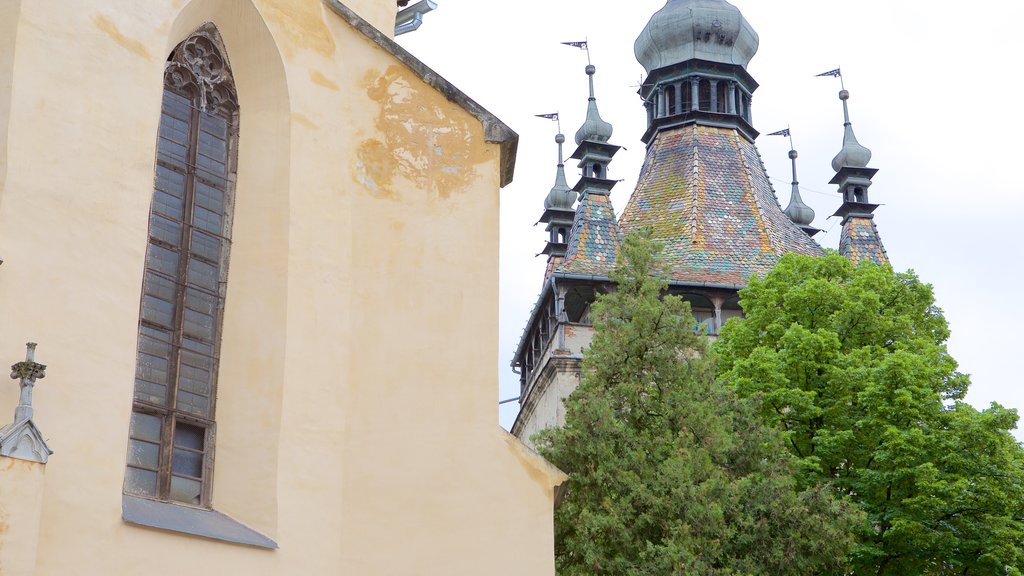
<point>143,454</point>
<point>208,220</point>
<point>197,346</point>
<point>146,427</point>
<point>195,404</point>
<point>170,181</point>
<point>139,481</point>
<point>195,374</point>
<point>165,230</point>
<point>202,274</point>
<point>206,246</point>
<point>157,311</point>
<point>150,392</point>
<point>209,197</point>
<point>162,260</point>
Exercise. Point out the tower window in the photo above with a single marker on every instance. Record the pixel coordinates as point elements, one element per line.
<point>705,95</point>
<point>670,101</point>
<point>170,453</point>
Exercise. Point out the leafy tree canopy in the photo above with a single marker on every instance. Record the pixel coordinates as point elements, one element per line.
<point>851,363</point>
<point>671,473</point>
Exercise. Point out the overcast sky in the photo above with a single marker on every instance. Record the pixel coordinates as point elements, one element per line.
<point>935,94</point>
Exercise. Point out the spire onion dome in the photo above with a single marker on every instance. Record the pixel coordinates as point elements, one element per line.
<point>853,154</point>
<point>710,30</point>
<point>561,196</point>
<point>800,213</point>
<point>594,128</point>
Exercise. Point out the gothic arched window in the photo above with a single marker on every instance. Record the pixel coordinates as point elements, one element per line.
<point>170,454</point>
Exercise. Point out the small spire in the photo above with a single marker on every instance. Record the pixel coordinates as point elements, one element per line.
<point>27,372</point>
<point>22,438</point>
<point>852,154</point>
<point>561,196</point>
<point>797,211</point>
<point>594,128</point>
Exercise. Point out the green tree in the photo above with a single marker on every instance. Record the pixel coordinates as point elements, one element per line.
<point>671,473</point>
<point>851,363</point>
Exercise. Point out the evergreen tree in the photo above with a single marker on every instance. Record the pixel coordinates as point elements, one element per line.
<point>670,473</point>
<point>851,363</point>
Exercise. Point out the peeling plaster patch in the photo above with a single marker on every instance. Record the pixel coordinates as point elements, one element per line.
<point>375,167</point>
<point>303,24</point>
<point>107,26</point>
<point>421,137</point>
<point>320,80</point>
<point>304,121</point>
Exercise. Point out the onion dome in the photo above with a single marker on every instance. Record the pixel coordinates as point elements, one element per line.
<point>711,30</point>
<point>798,212</point>
<point>561,196</point>
<point>853,154</point>
<point>594,128</point>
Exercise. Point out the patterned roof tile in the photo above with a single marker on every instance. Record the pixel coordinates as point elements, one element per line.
<point>594,238</point>
<point>705,194</point>
<point>860,241</point>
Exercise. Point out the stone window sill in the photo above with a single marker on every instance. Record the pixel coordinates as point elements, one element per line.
<point>187,520</point>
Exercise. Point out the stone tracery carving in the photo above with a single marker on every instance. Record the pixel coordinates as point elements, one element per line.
<point>198,66</point>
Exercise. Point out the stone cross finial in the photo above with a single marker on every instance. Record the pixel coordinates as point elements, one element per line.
<point>27,372</point>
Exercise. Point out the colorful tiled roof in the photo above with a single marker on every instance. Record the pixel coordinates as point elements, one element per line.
<point>594,239</point>
<point>860,241</point>
<point>705,194</point>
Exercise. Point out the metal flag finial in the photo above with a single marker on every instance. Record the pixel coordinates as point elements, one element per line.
<point>582,45</point>
<point>783,132</point>
<point>837,73</point>
<point>552,116</point>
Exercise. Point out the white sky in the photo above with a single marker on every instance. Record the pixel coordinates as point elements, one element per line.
<point>935,94</point>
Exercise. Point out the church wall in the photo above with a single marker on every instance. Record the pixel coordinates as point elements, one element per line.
<point>9,10</point>
<point>356,422</point>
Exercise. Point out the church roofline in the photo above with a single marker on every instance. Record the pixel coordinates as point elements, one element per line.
<point>495,131</point>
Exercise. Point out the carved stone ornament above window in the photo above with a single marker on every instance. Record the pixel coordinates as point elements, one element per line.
<point>198,67</point>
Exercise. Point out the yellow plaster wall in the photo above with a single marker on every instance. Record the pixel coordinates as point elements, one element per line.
<point>9,10</point>
<point>21,496</point>
<point>357,422</point>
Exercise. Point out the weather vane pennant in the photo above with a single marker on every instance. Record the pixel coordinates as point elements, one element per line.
<point>582,45</point>
<point>783,132</point>
<point>552,116</point>
<point>837,73</point>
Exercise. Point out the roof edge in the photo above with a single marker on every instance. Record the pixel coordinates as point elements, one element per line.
<point>529,457</point>
<point>495,131</point>
<point>547,286</point>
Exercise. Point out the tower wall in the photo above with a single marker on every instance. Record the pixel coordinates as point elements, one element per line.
<point>542,406</point>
